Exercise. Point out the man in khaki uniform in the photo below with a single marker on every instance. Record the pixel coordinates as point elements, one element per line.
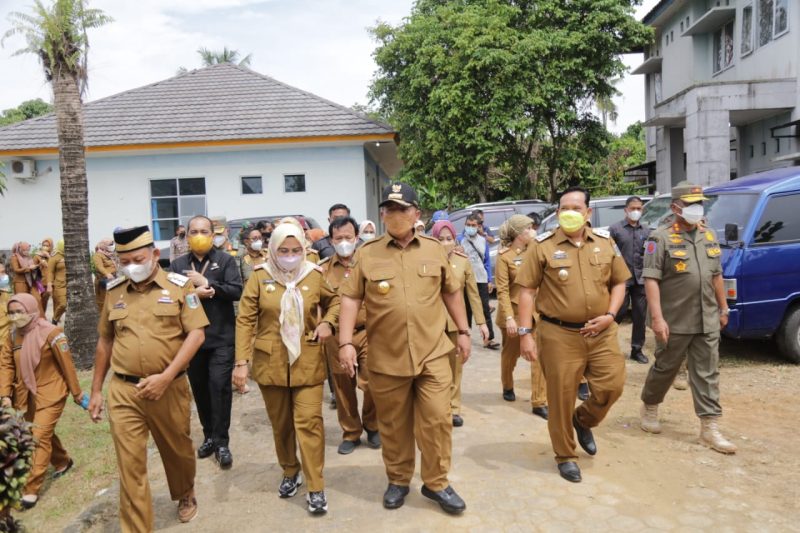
<point>580,277</point>
<point>681,257</point>
<point>151,325</point>
<point>57,281</point>
<point>343,236</point>
<point>404,278</point>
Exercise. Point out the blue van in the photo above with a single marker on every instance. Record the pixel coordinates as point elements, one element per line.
<point>757,220</point>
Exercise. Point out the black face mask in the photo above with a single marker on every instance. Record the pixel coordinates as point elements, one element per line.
<point>266,236</point>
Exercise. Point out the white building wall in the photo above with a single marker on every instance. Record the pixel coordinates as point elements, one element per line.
<point>119,193</point>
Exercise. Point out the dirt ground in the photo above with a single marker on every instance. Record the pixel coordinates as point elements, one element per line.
<point>504,470</point>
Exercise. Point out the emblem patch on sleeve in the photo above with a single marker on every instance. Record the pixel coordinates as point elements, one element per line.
<point>650,248</point>
<point>192,301</point>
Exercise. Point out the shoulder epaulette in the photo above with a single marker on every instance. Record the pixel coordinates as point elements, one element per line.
<point>460,254</point>
<point>116,281</point>
<point>601,233</point>
<point>323,261</point>
<point>503,250</point>
<point>430,238</point>
<point>260,266</point>
<point>178,279</point>
<point>544,236</point>
<point>319,269</point>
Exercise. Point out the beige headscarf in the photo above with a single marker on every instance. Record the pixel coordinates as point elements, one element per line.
<point>34,337</point>
<point>291,318</point>
<point>513,227</point>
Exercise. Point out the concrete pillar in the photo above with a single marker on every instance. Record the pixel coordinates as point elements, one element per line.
<point>707,142</point>
<point>676,150</point>
<point>663,160</point>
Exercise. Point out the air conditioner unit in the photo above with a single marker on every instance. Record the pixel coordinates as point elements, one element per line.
<point>22,169</point>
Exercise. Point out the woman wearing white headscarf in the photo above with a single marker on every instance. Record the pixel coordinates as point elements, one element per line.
<point>277,330</point>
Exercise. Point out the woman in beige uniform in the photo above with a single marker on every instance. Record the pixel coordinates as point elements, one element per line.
<point>57,281</point>
<point>27,277</point>
<point>515,234</point>
<point>36,369</point>
<point>41,258</point>
<point>105,268</point>
<point>278,331</point>
<point>446,233</point>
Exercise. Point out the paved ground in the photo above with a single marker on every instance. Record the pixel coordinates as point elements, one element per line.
<point>503,466</point>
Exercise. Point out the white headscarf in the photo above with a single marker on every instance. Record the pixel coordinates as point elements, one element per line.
<point>291,317</point>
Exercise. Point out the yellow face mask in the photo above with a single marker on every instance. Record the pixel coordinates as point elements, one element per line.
<point>200,243</point>
<point>571,221</point>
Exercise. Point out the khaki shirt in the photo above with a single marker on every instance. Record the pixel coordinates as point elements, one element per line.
<point>402,289</point>
<point>573,282</point>
<point>148,327</point>
<point>5,322</point>
<point>508,263</point>
<point>103,265</point>
<point>684,263</point>
<point>57,271</point>
<point>55,374</point>
<point>248,263</point>
<point>335,273</point>
<point>462,269</point>
<point>258,330</point>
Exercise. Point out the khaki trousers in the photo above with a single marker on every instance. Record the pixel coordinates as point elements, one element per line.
<point>133,419</point>
<point>508,361</point>
<point>344,386</point>
<point>415,409</point>
<point>296,417</point>
<point>456,368</point>
<point>48,447</point>
<point>59,303</point>
<point>566,356</point>
<point>702,354</point>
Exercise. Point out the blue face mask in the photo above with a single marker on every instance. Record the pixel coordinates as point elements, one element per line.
<point>4,281</point>
<point>470,231</point>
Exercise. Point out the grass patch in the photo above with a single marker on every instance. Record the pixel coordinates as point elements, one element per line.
<point>92,449</point>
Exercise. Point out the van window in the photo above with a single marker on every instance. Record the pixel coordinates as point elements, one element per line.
<point>780,221</point>
<point>724,209</point>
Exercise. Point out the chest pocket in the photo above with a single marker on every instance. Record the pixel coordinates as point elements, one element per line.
<point>679,260</point>
<point>167,317</point>
<point>382,283</point>
<point>560,270</point>
<point>430,281</point>
<point>713,251</point>
<point>117,318</point>
<point>601,266</point>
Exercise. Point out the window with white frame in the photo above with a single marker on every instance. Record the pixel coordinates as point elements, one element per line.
<point>773,20</point>
<point>173,202</point>
<point>747,29</point>
<point>723,47</point>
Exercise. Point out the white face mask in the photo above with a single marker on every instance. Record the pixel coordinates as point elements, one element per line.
<point>138,273</point>
<point>256,245</point>
<point>112,247</point>
<point>20,320</point>
<point>219,240</point>
<point>289,262</point>
<point>635,215</point>
<point>345,248</point>
<point>366,237</point>
<point>692,214</point>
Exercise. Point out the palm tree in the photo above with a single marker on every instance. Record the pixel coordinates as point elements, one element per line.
<point>57,35</point>
<point>213,57</point>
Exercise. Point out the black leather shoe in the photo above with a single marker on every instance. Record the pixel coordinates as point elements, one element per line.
<point>585,437</point>
<point>447,499</point>
<point>206,449</point>
<point>583,391</point>
<point>457,421</point>
<point>541,411</point>
<point>224,457</point>
<point>373,439</point>
<point>639,357</point>
<point>508,395</point>
<point>570,471</point>
<point>395,496</point>
<point>348,446</point>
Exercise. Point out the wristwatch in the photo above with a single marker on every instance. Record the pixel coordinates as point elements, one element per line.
<point>524,331</point>
<point>725,312</point>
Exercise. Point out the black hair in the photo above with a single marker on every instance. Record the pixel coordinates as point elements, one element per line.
<point>576,188</point>
<point>477,211</point>
<point>474,217</point>
<point>263,224</point>
<point>336,207</point>
<point>340,222</point>
<point>536,217</point>
<point>632,199</point>
<point>204,218</point>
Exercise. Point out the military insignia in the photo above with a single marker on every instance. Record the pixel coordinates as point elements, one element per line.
<point>563,274</point>
<point>192,301</point>
<point>559,254</point>
<point>305,287</point>
<point>383,287</point>
<point>60,341</point>
<point>679,253</point>
<point>214,266</point>
<point>397,187</point>
<point>676,241</point>
<point>177,279</point>
<point>165,300</point>
<point>544,236</point>
<point>713,252</point>
<point>680,266</point>
<point>114,282</point>
<point>270,288</point>
<point>650,248</point>
<point>120,305</point>
<point>709,236</point>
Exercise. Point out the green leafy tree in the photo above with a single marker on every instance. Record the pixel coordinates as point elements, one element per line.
<point>216,57</point>
<point>494,93</point>
<point>57,34</point>
<point>24,111</point>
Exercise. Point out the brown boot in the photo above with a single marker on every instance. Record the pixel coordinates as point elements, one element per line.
<point>711,436</point>
<point>649,418</point>
<point>187,508</point>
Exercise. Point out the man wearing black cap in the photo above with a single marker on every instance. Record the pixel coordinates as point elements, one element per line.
<point>407,284</point>
<point>150,327</point>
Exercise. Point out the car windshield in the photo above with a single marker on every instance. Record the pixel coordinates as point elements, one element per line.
<point>721,209</point>
<point>654,210</point>
<point>609,214</point>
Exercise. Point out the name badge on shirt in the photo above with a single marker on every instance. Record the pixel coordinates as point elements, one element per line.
<point>165,300</point>
<point>559,254</point>
<point>214,266</point>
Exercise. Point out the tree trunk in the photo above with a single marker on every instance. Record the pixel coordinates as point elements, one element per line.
<point>81,317</point>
